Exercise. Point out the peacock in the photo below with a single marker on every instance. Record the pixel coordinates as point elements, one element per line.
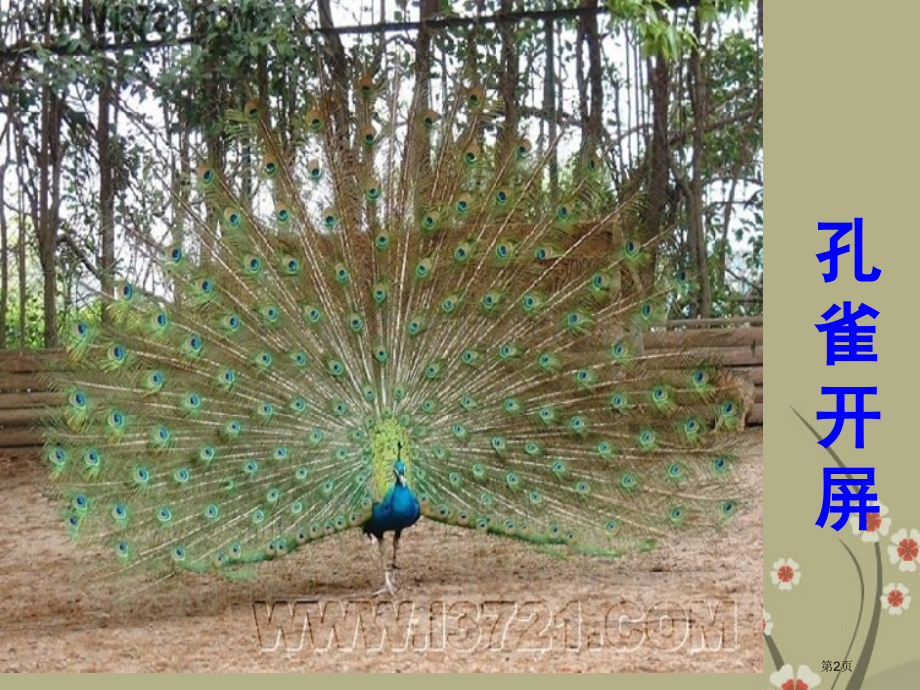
<point>385,314</point>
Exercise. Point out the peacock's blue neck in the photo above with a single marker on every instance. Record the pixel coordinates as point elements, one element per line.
<point>398,510</point>
<point>404,505</point>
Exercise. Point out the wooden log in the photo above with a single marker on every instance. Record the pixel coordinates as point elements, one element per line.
<point>740,349</point>
<point>752,374</point>
<point>32,362</point>
<point>25,416</point>
<point>17,438</point>
<point>22,452</point>
<point>21,382</point>
<point>709,323</point>
<point>9,401</point>
<point>738,356</point>
<point>713,337</point>
<point>30,452</point>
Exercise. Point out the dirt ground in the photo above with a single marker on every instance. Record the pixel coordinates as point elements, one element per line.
<point>468,602</point>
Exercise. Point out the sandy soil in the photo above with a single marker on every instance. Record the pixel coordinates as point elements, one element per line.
<point>468,602</point>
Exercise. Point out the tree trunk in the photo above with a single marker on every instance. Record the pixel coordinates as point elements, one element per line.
<point>549,100</point>
<point>510,75</point>
<point>23,324</point>
<point>338,64</point>
<point>339,117</point>
<point>696,221</point>
<point>4,257</point>
<point>106,194</point>
<point>45,212</point>
<point>658,166</point>
<point>4,237</point>
<point>420,147</point>
<point>214,141</point>
<point>594,106</point>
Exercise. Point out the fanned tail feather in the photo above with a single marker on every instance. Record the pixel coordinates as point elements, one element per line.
<point>403,281</point>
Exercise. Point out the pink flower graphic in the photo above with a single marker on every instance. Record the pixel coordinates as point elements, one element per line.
<point>896,599</point>
<point>876,523</point>
<point>803,678</point>
<point>786,573</point>
<point>767,624</point>
<point>905,550</point>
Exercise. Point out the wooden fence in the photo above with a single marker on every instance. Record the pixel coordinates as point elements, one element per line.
<point>737,343</point>
<point>24,399</point>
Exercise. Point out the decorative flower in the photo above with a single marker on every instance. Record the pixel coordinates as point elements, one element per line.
<point>906,549</point>
<point>786,573</point>
<point>876,523</point>
<point>803,678</point>
<point>767,624</point>
<point>896,599</point>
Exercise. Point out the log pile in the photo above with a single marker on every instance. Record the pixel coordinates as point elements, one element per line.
<point>24,397</point>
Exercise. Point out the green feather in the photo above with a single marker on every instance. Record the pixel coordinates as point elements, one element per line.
<point>359,305</point>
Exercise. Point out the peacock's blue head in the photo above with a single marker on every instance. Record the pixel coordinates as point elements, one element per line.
<point>399,469</point>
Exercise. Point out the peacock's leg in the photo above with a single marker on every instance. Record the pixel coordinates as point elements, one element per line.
<point>396,536</point>
<point>389,585</point>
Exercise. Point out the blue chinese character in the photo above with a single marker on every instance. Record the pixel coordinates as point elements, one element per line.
<point>859,415</point>
<point>847,341</point>
<point>848,502</point>
<point>841,229</point>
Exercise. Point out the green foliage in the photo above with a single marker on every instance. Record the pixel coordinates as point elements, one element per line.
<point>30,336</point>
<point>19,334</point>
<point>658,34</point>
